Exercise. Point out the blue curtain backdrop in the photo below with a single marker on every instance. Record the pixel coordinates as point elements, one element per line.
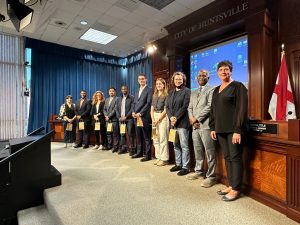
<point>58,71</point>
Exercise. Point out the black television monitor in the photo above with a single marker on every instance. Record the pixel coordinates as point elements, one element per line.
<point>235,50</point>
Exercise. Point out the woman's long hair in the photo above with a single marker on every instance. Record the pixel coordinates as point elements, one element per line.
<point>165,90</point>
<point>95,100</point>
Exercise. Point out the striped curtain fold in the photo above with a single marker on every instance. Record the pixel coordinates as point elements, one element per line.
<point>12,75</point>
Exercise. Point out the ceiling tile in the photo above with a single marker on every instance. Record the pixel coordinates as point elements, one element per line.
<point>100,5</point>
<point>134,18</point>
<point>108,20</point>
<point>70,6</point>
<point>64,16</point>
<point>53,33</point>
<point>146,11</point>
<point>90,14</point>
<point>177,10</point>
<point>117,12</point>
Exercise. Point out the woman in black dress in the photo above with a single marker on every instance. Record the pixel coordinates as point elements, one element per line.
<point>228,119</point>
<point>67,113</point>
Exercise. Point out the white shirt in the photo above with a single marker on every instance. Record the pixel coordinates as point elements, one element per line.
<point>110,99</point>
<point>141,90</point>
<point>97,107</point>
<point>123,105</point>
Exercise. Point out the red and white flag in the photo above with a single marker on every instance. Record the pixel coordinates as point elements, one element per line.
<point>282,104</point>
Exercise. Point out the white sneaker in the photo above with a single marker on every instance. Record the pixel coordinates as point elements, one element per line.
<point>66,145</point>
<point>73,144</point>
<point>156,161</point>
<point>194,176</point>
<point>100,147</point>
<point>96,147</point>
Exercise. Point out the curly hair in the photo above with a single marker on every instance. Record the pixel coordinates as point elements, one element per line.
<point>95,97</point>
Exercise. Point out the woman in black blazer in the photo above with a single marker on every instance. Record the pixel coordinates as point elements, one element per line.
<point>98,116</point>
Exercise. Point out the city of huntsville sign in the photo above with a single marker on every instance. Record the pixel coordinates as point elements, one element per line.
<point>212,20</point>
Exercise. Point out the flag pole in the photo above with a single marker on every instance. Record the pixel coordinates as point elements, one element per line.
<point>282,50</point>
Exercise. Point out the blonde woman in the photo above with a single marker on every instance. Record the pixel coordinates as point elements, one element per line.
<point>98,115</point>
<point>160,123</point>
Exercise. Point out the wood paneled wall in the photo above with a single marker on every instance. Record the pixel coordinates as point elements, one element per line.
<point>272,163</point>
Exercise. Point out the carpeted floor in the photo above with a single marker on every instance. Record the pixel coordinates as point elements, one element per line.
<point>100,187</point>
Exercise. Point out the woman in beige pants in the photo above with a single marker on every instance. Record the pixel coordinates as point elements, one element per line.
<point>160,123</point>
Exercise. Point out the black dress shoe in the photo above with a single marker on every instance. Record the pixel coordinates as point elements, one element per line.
<point>136,156</point>
<point>175,168</point>
<point>77,146</point>
<point>145,159</point>
<point>182,172</point>
<point>121,152</point>
<point>225,198</point>
<point>220,192</point>
<point>85,146</point>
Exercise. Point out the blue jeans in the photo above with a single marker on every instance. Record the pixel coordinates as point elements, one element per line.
<point>129,130</point>
<point>181,148</point>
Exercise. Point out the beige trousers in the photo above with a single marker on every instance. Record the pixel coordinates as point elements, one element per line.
<point>160,143</point>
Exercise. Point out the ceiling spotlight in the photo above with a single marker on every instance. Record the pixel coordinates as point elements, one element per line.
<point>151,49</point>
<point>19,14</point>
<point>83,22</point>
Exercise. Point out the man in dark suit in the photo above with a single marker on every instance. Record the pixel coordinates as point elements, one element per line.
<point>111,117</point>
<point>177,105</point>
<point>82,111</point>
<point>141,111</point>
<point>124,113</point>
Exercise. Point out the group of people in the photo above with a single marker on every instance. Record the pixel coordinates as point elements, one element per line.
<point>213,113</point>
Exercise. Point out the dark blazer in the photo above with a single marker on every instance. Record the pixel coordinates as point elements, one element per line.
<point>177,106</point>
<point>83,111</point>
<point>142,104</point>
<point>110,110</point>
<point>128,106</point>
<point>101,117</point>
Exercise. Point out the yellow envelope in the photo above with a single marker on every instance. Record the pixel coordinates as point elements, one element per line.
<point>123,128</point>
<point>172,135</point>
<point>97,126</point>
<point>69,127</point>
<point>81,125</point>
<point>139,122</point>
<point>109,127</point>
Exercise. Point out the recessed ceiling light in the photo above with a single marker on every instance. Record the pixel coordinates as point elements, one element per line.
<point>83,22</point>
<point>98,36</point>
<point>103,52</point>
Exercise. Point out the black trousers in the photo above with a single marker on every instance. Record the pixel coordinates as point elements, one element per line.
<point>233,155</point>
<point>102,133</point>
<point>84,135</point>
<point>144,134</point>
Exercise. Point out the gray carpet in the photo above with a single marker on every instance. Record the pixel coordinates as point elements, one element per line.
<point>104,188</point>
